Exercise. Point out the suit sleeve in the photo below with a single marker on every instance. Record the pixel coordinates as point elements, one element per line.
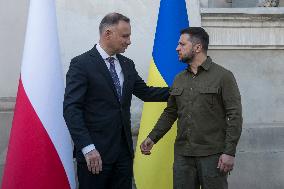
<point>149,93</point>
<point>76,87</point>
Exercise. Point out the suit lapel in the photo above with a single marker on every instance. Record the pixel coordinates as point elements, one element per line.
<point>103,68</point>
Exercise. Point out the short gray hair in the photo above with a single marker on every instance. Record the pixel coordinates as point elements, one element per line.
<point>112,19</point>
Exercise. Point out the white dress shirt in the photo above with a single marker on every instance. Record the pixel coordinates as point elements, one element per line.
<point>120,75</point>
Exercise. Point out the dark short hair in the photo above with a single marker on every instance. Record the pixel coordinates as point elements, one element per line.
<point>112,19</point>
<point>197,35</point>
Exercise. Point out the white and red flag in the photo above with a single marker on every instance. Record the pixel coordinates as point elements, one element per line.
<point>40,150</point>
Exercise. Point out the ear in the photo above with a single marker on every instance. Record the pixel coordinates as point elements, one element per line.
<point>108,33</point>
<point>198,48</point>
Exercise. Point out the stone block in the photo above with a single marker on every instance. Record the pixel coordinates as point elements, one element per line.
<point>219,3</point>
<point>262,138</point>
<point>261,170</point>
<point>259,158</point>
<point>244,3</point>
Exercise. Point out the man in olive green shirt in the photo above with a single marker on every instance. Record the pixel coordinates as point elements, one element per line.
<point>206,101</point>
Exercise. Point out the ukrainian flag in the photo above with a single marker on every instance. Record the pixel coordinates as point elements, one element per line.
<point>155,171</point>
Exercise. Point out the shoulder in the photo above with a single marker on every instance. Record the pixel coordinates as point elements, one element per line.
<point>124,58</point>
<point>82,57</point>
<point>180,75</point>
<point>223,72</point>
<point>179,78</point>
<point>220,69</point>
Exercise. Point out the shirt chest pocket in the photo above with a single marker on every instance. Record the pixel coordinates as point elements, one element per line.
<point>177,93</point>
<point>208,96</point>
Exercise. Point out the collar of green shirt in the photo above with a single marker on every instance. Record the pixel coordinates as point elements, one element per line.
<point>205,65</point>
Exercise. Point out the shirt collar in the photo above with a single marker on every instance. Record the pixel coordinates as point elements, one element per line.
<point>205,65</point>
<point>103,53</point>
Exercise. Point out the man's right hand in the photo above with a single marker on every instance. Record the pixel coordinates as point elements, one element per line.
<point>146,146</point>
<point>94,161</point>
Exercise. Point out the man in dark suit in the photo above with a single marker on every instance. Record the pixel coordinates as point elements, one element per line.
<point>99,88</point>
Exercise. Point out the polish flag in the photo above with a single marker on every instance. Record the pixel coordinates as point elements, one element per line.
<point>40,150</point>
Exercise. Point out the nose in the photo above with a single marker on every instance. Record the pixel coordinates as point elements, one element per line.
<point>177,49</point>
<point>128,41</point>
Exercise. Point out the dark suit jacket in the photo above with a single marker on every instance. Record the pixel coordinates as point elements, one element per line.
<point>92,110</point>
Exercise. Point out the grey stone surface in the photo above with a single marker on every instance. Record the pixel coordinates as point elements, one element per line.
<point>6,115</point>
<point>244,3</point>
<point>13,18</point>
<point>7,104</point>
<point>244,28</point>
<point>5,127</point>
<point>193,12</point>
<point>1,172</point>
<point>262,138</point>
<point>259,159</point>
<point>258,170</point>
<point>219,3</point>
<point>259,74</point>
<point>254,13</point>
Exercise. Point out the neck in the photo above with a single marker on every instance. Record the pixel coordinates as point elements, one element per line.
<point>197,61</point>
<point>108,50</point>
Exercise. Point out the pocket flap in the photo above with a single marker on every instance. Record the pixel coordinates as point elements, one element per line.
<point>209,90</point>
<point>176,91</point>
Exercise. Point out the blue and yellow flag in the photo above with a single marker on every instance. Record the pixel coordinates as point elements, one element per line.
<point>155,171</point>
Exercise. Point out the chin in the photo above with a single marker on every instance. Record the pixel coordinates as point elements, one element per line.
<point>122,51</point>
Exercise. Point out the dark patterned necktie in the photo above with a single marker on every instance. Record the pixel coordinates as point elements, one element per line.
<point>114,76</point>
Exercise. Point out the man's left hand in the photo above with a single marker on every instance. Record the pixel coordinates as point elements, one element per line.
<point>226,163</point>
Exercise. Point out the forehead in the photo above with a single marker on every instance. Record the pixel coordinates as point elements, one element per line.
<point>123,26</point>
<point>184,37</point>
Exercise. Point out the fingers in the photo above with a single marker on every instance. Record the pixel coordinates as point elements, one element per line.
<point>94,162</point>
<point>226,163</point>
<point>144,150</point>
<point>146,146</point>
<point>97,167</point>
<point>227,169</point>
<point>222,167</point>
<point>89,164</point>
<point>100,164</point>
<point>219,163</point>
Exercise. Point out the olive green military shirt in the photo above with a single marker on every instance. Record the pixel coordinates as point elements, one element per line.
<point>209,112</point>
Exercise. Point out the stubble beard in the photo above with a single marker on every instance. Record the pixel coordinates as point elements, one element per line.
<point>189,57</point>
